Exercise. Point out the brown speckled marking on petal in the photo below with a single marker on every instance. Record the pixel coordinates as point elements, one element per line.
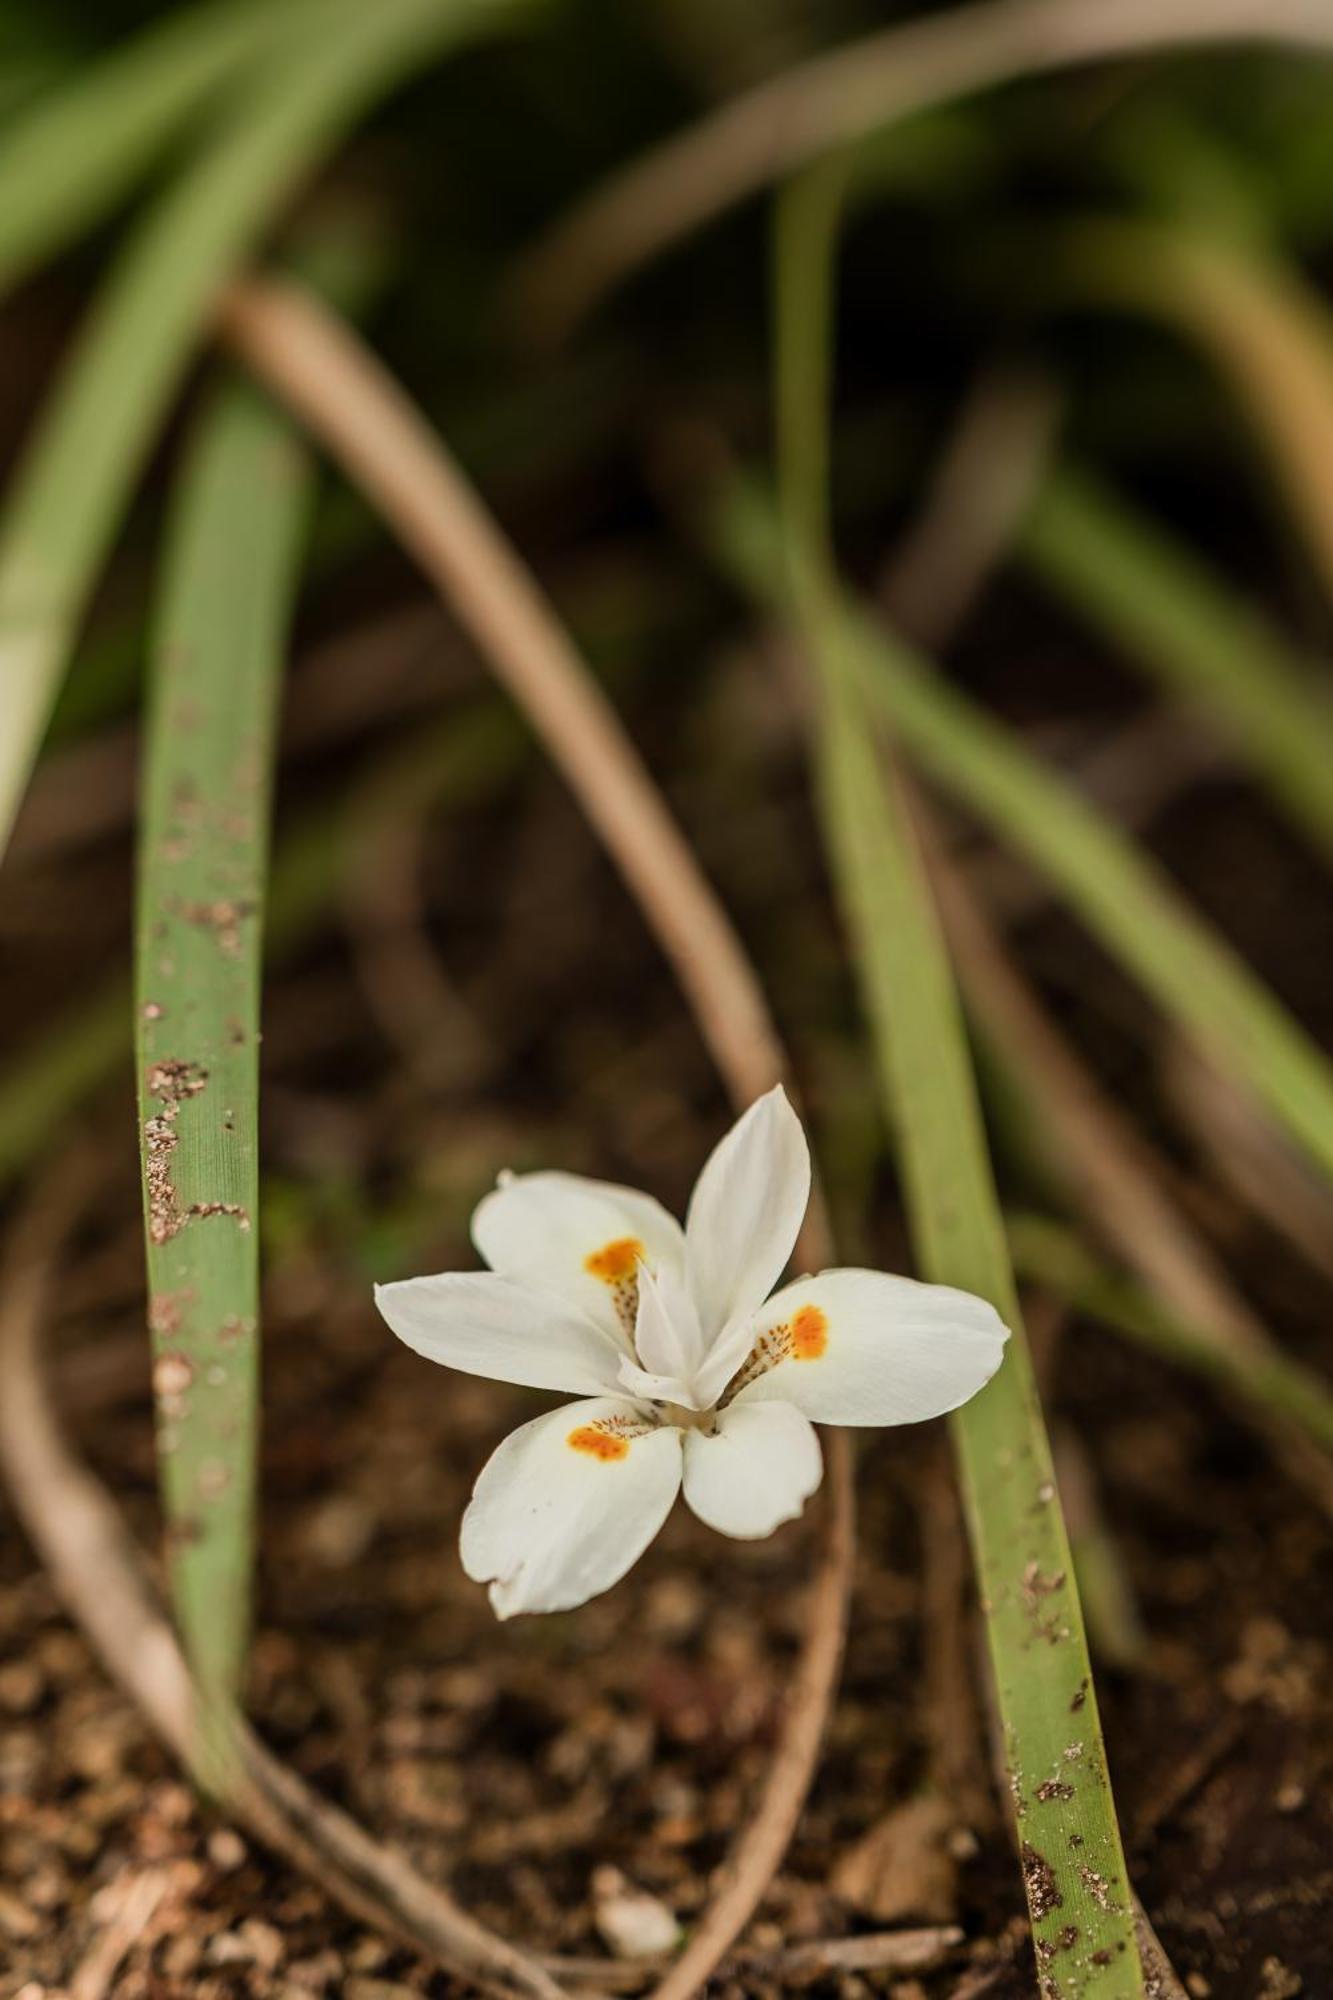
<point>803,1337</point>
<point>616,1265</point>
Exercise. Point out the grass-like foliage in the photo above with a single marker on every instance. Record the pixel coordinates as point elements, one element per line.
<point>1078,1894</point>
<point>227,590</point>
<point>71,492</point>
<point>82,146</point>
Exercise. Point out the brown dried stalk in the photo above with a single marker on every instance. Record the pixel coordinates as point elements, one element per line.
<point>76,1528</point>
<point>319,368</point>
<point>796,1965</point>
<point>139,1896</point>
<point>984,483</point>
<point>766,132</point>
<point>757,1852</point>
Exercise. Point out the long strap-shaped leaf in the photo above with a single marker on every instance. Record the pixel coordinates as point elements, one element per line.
<point>69,159</point>
<point>1126,901</point>
<point>1194,635</point>
<point>208,763</point>
<point>93,436</point>
<point>1078,1895</point>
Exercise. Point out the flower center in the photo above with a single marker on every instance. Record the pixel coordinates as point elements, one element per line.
<point>687,1420</point>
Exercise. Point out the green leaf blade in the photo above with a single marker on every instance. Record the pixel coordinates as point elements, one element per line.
<point>73,485</point>
<point>203,860</point>
<point>66,162</point>
<point>1069,1842</point>
<point>1080,1904</point>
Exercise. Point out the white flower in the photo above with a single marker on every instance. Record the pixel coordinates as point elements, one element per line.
<point>694,1376</point>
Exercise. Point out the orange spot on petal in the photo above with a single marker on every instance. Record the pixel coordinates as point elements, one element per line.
<point>809,1333</point>
<point>598,1444</point>
<point>615,1262</point>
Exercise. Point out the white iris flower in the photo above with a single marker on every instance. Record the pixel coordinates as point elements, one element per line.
<point>694,1376</point>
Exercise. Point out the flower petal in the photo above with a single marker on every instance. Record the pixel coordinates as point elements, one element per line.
<point>859,1347</point>
<point>484,1325</point>
<point>746,1210</point>
<point>667,1334</point>
<point>579,1238</point>
<point>756,1470</point>
<point>567,1503</point>
<point>724,1358</point>
<point>642,1386</point>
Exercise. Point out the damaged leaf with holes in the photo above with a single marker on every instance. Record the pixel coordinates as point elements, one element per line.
<point>236,532</point>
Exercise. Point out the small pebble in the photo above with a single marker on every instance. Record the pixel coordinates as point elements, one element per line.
<point>633,1923</point>
<point>226,1850</point>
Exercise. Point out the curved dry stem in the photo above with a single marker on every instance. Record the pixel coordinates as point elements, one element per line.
<point>758,1852</point>
<point>318,367</point>
<point>76,1528</point>
<point>768,131</point>
<point>986,480</point>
